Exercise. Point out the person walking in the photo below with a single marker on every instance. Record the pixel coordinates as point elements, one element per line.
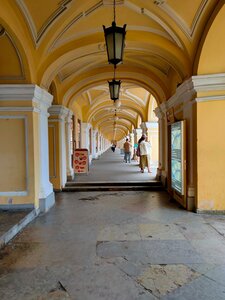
<point>127,150</point>
<point>145,151</point>
<point>113,147</point>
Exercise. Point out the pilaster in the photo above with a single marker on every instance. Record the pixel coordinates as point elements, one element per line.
<point>94,144</point>
<point>23,114</point>
<point>57,120</point>
<point>69,124</point>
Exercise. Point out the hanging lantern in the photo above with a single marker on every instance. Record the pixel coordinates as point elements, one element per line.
<point>115,40</point>
<point>114,89</point>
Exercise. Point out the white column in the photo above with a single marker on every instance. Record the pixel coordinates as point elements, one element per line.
<point>69,169</point>
<point>131,135</point>
<point>137,134</point>
<point>46,195</point>
<point>85,142</point>
<point>161,121</point>
<point>94,144</point>
<point>85,135</point>
<point>61,112</point>
<point>99,144</point>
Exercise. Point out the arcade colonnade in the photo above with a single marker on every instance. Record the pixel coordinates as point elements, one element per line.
<point>53,86</point>
<point>38,140</point>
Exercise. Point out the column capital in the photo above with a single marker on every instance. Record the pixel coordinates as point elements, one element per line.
<point>69,116</point>
<point>137,131</point>
<point>36,98</point>
<point>85,126</point>
<point>59,111</point>
<point>159,113</point>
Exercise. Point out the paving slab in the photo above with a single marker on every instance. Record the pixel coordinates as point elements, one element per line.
<point>115,245</point>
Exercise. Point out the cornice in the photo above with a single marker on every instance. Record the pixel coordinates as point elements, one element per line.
<point>184,93</point>
<point>210,82</point>
<point>18,92</point>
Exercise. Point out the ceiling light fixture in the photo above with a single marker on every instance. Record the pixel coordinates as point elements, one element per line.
<point>114,87</point>
<point>115,40</point>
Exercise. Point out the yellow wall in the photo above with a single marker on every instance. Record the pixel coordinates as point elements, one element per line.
<point>17,130</point>
<point>211,155</point>
<point>13,163</point>
<point>212,58</point>
<point>54,154</point>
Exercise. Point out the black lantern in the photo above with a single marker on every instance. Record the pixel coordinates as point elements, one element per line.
<point>114,38</point>
<point>114,89</point>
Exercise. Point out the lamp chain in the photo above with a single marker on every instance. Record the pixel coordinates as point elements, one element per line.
<point>114,7</point>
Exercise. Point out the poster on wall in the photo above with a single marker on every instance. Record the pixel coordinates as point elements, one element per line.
<point>81,161</point>
<point>177,156</point>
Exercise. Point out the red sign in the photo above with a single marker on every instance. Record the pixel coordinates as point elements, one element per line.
<point>81,161</point>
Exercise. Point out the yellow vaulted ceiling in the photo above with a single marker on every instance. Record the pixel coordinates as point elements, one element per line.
<point>62,42</point>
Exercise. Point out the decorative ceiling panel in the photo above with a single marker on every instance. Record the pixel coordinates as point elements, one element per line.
<point>41,15</point>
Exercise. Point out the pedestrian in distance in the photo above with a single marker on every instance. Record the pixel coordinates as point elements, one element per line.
<point>127,150</point>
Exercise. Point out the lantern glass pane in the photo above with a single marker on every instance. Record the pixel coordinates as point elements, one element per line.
<point>119,45</point>
<point>116,90</point>
<point>110,46</point>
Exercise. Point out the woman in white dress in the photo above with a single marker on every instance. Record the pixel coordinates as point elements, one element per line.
<point>145,151</point>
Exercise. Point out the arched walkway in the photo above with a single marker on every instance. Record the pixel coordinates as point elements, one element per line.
<point>110,167</point>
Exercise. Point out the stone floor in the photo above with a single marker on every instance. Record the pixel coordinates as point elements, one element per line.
<point>116,246</point>
<point>110,166</point>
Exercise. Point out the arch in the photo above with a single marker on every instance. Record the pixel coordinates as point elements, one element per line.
<point>152,104</point>
<point>53,91</point>
<point>210,57</point>
<point>13,59</point>
<point>137,77</point>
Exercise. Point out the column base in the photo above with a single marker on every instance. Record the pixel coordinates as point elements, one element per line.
<point>163,178</point>
<point>46,203</point>
<point>191,204</point>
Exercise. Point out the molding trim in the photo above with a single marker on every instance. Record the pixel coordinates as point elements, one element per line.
<point>13,194</point>
<point>210,98</point>
<point>212,82</point>
<point>184,93</point>
<point>54,150</point>
<point>188,31</point>
<point>18,92</point>
<point>209,82</point>
<point>20,109</point>
<point>154,17</point>
<point>37,35</point>
<point>22,75</point>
